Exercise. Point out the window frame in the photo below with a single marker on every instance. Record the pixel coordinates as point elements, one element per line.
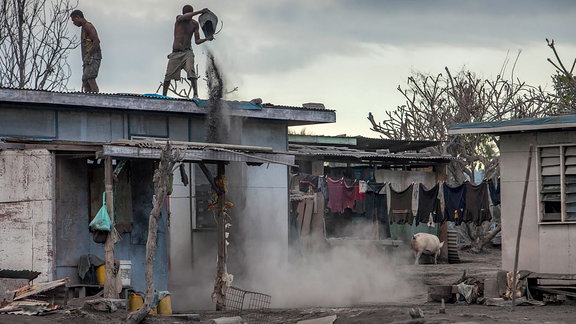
<point>545,159</point>
<point>203,219</point>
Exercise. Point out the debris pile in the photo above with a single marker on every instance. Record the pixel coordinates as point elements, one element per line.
<point>18,301</point>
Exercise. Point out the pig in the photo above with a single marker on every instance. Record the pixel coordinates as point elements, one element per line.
<point>427,244</point>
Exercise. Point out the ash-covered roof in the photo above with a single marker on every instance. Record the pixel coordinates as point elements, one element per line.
<point>363,143</point>
<point>295,116</point>
<point>515,125</point>
<point>347,154</point>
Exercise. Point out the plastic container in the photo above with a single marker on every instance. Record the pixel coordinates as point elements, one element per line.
<point>165,306</point>
<point>101,274</point>
<point>135,301</point>
<point>208,22</point>
<point>125,273</point>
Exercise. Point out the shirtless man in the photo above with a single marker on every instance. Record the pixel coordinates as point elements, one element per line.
<point>91,52</point>
<point>182,56</point>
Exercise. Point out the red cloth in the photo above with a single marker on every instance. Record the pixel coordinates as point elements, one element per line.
<point>340,195</point>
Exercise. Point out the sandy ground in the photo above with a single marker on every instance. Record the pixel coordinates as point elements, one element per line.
<point>479,266</point>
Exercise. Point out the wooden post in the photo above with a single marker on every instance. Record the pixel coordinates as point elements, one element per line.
<point>221,228</point>
<point>520,225</point>
<point>110,282</point>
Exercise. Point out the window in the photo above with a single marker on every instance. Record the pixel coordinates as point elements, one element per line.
<point>203,194</point>
<point>557,168</point>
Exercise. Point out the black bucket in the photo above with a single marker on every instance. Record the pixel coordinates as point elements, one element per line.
<point>208,22</point>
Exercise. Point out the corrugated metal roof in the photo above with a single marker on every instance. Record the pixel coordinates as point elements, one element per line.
<point>333,153</point>
<point>197,152</point>
<point>235,104</point>
<point>363,143</point>
<point>393,145</point>
<point>292,116</point>
<point>515,125</point>
<point>19,274</point>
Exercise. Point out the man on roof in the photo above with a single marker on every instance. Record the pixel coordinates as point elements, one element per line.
<point>182,56</point>
<point>91,52</point>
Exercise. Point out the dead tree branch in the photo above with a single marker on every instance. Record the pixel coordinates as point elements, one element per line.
<point>169,161</point>
<point>35,43</point>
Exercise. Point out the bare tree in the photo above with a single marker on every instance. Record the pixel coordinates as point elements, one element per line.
<point>435,102</point>
<point>34,43</point>
<point>564,82</point>
<point>169,162</point>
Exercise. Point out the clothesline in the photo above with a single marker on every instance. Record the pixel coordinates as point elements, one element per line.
<point>466,202</point>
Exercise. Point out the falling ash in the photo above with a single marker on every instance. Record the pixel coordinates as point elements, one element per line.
<point>218,122</point>
<point>338,276</point>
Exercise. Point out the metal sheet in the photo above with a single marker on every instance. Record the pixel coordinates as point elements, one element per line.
<point>197,155</point>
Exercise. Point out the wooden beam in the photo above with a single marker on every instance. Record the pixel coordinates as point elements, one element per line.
<point>554,291</point>
<point>555,276</point>
<point>110,282</point>
<point>198,155</point>
<point>176,144</point>
<point>221,270</point>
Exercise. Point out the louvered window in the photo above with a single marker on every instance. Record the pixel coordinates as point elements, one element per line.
<point>557,169</point>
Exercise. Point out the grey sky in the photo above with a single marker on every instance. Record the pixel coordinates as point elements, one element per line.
<point>349,55</point>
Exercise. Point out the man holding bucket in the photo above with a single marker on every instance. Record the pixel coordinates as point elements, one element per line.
<point>182,56</point>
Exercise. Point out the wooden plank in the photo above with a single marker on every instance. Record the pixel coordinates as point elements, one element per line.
<point>34,289</point>
<point>554,291</point>
<point>176,144</point>
<point>556,276</point>
<point>300,214</point>
<point>199,155</point>
<point>317,223</point>
<point>307,217</point>
<point>344,241</point>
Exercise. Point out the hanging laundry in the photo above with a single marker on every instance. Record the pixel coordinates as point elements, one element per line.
<point>340,195</point>
<point>360,197</point>
<point>428,205</point>
<point>381,205</point>
<point>350,191</point>
<point>377,208</point>
<point>401,206</point>
<point>371,190</point>
<point>477,204</point>
<point>322,187</point>
<point>362,187</point>
<point>335,193</point>
<point>308,183</point>
<point>494,191</point>
<point>454,203</point>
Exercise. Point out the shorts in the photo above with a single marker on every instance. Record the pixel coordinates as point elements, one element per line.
<point>90,71</point>
<point>178,61</point>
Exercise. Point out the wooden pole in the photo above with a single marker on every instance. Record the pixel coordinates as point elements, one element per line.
<point>221,228</point>
<point>110,282</point>
<point>520,225</point>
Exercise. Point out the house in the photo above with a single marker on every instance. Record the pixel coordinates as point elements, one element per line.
<point>398,163</point>
<point>549,219</point>
<point>53,148</point>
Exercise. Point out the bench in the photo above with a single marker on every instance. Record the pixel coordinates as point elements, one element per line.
<point>79,291</point>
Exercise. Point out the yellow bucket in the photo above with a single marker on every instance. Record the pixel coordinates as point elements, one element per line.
<point>165,305</point>
<point>101,275</point>
<point>135,301</point>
